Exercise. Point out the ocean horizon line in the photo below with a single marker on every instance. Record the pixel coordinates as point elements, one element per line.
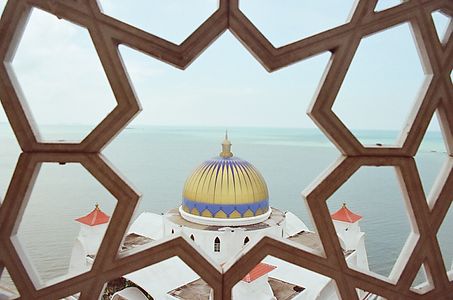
<point>181,126</point>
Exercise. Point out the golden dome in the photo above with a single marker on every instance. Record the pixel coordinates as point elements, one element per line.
<point>225,187</point>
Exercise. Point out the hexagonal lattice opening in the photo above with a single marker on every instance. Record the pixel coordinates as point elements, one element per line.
<point>431,157</point>
<point>380,235</point>
<point>60,78</point>
<point>274,277</point>
<point>379,89</point>
<point>284,24</point>
<point>442,22</point>
<point>422,283</point>
<point>171,278</point>
<point>9,152</point>
<point>8,290</point>
<point>239,96</point>
<point>386,4</point>
<point>446,241</point>
<point>160,16</point>
<point>56,237</point>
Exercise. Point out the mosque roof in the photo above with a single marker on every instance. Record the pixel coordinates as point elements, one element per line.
<point>225,187</point>
<point>345,215</point>
<point>95,217</point>
<point>259,270</point>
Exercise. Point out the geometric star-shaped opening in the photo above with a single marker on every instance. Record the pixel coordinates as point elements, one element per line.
<point>431,157</point>
<point>295,20</point>
<point>386,4</point>
<point>171,20</point>
<point>442,21</point>
<point>55,244</point>
<point>211,95</point>
<point>60,78</point>
<point>379,238</point>
<point>380,87</point>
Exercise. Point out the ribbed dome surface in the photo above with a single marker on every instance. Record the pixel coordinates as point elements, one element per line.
<point>226,187</point>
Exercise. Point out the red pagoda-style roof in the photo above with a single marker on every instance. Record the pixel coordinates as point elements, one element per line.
<point>258,271</point>
<point>96,217</point>
<point>345,215</point>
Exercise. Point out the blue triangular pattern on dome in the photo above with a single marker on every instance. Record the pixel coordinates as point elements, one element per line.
<point>190,205</point>
<point>214,208</point>
<point>243,208</point>
<point>254,207</point>
<point>227,208</point>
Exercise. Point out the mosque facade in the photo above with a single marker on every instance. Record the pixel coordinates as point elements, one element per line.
<point>225,208</point>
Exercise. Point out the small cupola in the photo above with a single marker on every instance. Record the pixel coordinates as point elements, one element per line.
<point>345,215</point>
<point>95,217</point>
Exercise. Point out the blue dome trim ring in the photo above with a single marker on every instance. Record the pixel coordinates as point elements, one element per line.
<point>228,209</point>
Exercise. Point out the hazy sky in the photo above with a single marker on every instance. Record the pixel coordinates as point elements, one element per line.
<point>63,81</point>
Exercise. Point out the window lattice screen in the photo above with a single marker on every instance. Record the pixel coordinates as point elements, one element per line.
<point>108,33</point>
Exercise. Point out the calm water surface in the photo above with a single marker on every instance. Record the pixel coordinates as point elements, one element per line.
<point>156,161</point>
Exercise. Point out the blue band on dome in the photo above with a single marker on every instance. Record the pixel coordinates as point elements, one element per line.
<point>227,208</point>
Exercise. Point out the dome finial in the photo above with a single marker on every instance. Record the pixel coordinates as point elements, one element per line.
<point>226,147</point>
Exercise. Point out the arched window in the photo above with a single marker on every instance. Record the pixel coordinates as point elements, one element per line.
<point>172,231</point>
<point>192,237</point>
<point>217,245</point>
<point>246,240</point>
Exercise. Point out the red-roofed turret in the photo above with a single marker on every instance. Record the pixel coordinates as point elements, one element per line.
<point>259,270</point>
<point>345,215</point>
<point>350,236</point>
<point>92,230</point>
<point>96,217</point>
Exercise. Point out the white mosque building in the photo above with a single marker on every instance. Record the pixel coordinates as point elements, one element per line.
<point>225,206</point>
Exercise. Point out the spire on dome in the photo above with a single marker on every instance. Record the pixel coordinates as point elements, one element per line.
<point>95,217</point>
<point>226,147</point>
<point>345,215</point>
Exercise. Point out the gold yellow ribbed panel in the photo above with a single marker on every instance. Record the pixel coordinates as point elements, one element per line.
<point>248,193</point>
<point>226,181</point>
<point>204,193</point>
<point>190,186</point>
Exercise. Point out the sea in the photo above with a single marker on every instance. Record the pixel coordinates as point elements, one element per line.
<point>156,160</point>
